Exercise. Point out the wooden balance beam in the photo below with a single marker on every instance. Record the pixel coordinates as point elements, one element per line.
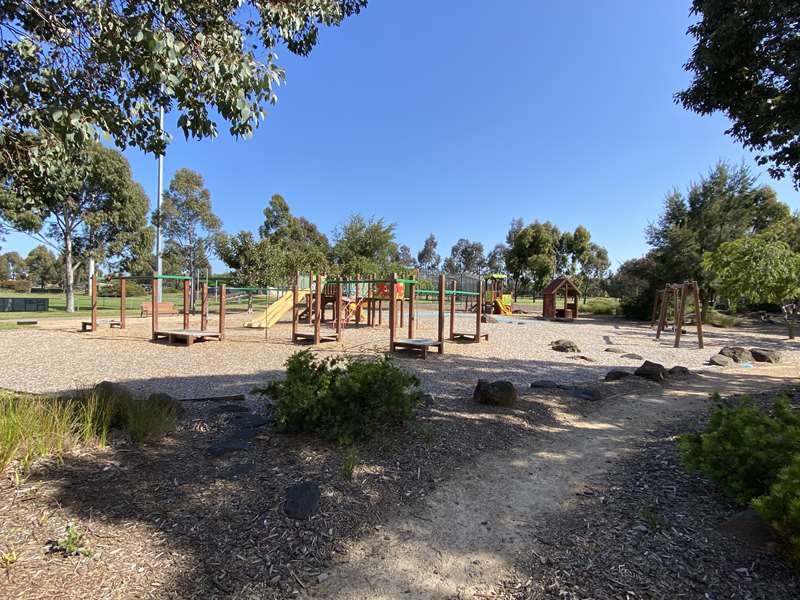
<point>187,336</point>
<point>420,346</point>
<point>87,325</point>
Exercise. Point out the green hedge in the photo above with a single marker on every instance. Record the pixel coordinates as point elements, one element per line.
<point>341,400</point>
<point>754,456</point>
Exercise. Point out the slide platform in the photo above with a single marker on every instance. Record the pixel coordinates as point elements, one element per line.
<point>275,311</point>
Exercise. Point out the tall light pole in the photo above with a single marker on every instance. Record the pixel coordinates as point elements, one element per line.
<point>158,207</point>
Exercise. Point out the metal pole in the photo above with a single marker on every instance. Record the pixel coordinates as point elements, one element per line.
<point>159,193</point>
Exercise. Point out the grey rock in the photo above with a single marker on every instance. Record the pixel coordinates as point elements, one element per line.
<point>737,354</point>
<point>111,389</point>
<point>165,400</point>
<point>584,393</point>
<point>302,500</point>
<point>488,319</point>
<point>761,355</point>
<point>617,374</point>
<point>226,446</point>
<point>545,384</point>
<point>633,356</point>
<point>496,393</point>
<point>249,421</point>
<point>564,346</point>
<point>615,350</point>
<point>652,371</point>
<point>720,360</point>
<point>679,371</point>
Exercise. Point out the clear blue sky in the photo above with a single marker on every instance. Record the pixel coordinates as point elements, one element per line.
<point>454,116</point>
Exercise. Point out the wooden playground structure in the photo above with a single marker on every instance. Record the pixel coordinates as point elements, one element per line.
<point>571,294</point>
<point>676,295</point>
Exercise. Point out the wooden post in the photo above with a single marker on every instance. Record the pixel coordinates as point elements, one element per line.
<point>94,301</point>
<point>309,298</point>
<point>698,317</point>
<point>122,302</point>
<point>338,312</point>
<point>679,311</point>
<point>371,302</point>
<point>402,304</point>
<point>479,313</point>
<point>392,313</point>
<point>154,307</point>
<point>222,296</point>
<point>413,289</point>
<point>441,313</point>
<point>655,308</point>
<point>204,307</point>
<point>295,299</point>
<point>185,304</point>
<point>453,311</point>
<point>663,314</point>
<point>318,311</point>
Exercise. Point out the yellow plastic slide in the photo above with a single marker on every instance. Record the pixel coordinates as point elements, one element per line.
<point>505,309</point>
<point>275,311</point>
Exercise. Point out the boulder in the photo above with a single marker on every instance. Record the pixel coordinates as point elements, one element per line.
<point>545,384</point>
<point>761,355</point>
<point>110,389</point>
<point>495,393</point>
<point>615,350</point>
<point>633,356</point>
<point>488,319</point>
<point>737,354</point>
<point>679,371</point>
<point>166,401</point>
<point>720,360</point>
<point>583,392</point>
<point>617,374</point>
<point>564,346</point>
<point>652,371</point>
<point>302,500</point>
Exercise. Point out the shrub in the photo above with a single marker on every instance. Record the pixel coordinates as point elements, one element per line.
<point>22,286</point>
<point>600,306</point>
<point>781,507</point>
<point>147,419</point>
<point>744,448</point>
<point>111,290</point>
<point>349,464</point>
<point>73,543</point>
<point>718,319</point>
<point>341,400</point>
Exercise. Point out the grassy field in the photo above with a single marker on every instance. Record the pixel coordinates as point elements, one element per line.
<point>109,307</point>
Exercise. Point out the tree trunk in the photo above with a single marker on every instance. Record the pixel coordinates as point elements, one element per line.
<point>69,273</point>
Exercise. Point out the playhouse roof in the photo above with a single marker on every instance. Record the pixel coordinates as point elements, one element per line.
<point>558,283</point>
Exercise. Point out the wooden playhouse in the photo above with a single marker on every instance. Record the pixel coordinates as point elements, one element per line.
<point>561,286</point>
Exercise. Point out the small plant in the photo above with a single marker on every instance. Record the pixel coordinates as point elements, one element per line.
<point>349,464</point>
<point>9,557</point>
<point>781,506</point>
<point>743,447</point>
<point>718,319</point>
<point>341,400</point>
<point>148,419</point>
<point>73,543</point>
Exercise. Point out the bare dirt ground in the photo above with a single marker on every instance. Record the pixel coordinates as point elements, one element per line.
<point>473,531</point>
<point>464,502</point>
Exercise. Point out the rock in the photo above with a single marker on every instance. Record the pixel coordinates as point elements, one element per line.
<point>737,354</point>
<point>582,357</point>
<point>545,384</point>
<point>761,355</point>
<point>226,446</point>
<point>488,319</point>
<point>564,346</point>
<point>748,527</point>
<point>302,500</point>
<point>584,393</point>
<point>496,393</point>
<point>615,350</point>
<point>652,371</point>
<point>229,409</point>
<point>249,421</point>
<point>679,371</point>
<point>720,360</point>
<point>632,356</point>
<point>165,400</point>
<point>617,374</point>
<point>110,389</point>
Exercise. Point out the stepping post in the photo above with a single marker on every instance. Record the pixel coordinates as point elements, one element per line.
<point>122,302</point>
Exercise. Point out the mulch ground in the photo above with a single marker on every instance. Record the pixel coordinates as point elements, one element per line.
<point>185,519</point>
<point>654,531</point>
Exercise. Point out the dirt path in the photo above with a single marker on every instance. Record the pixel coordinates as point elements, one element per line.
<point>469,532</point>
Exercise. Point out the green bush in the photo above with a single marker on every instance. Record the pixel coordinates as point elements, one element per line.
<point>111,290</point>
<point>744,448</point>
<point>718,319</point>
<point>341,400</point>
<point>22,286</point>
<point>781,507</point>
<point>600,306</point>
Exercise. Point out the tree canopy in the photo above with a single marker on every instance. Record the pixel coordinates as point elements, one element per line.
<point>427,257</point>
<point>745,64</point>
<point>72,69</point>
<point>365,246</point>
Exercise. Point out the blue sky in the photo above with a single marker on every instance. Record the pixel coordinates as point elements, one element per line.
<point>454,117</point>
